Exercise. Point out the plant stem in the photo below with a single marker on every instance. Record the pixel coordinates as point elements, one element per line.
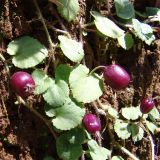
<point>152,19</point>
<point>104,107</point>
<point>50,26</point>
<point>122,24</point>
<point>59,20</point>
<point>158,130</point>
<point>57,3</point>
<point>140,14</point>
<point>157,97</point>
<point>126,151</point>
<point>29,106</point>
<point>96,68</point>
<point>94,104</point>
<point>98,136</point>
<point>118,145</point>
<point>152,147</point>
<point>45,29</point>
<point>87,25</point>
<point>4,109</point>
<point>111,137</point>
<point>82,156</point>
<point>150,139</point>
<point>81,38</point>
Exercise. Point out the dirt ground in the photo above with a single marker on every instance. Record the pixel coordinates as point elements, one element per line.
<point>22,135</point>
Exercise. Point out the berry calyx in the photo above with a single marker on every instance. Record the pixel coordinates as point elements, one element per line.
<point>116,76</point>
<point>22,83</point>
<point>147,105</point>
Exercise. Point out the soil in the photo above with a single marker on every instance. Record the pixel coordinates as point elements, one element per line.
<point>22,135</point>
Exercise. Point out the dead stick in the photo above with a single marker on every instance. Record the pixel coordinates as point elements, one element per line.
<point>20,100</point>
<point>126,151</point>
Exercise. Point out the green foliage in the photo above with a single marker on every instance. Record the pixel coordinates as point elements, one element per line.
<point>151,11</point>
<point>85,87</point>
<point>72,86</point>
<point>106,26</point>
<point>113,112</point>
<point>126,129</point>
<point>97,152</point>
<point>131,113</point>
<point>57,93</point>
<point>50,110</point>
<point>124,9</point>
<point>110,29</point>
<point>69,9</point>
<point>62,72</point>
<point>48,158</point>
<point>143,31</point>
<point>69,144</point>
<point>27,52</point>
<point>71,49</point>
<point>154,114</point>
<point>67,116</point>
<point>137,132</point>
<point>126,41</point>
<point>117,158</point>
<point>122,129</point>
<point>42,81</point>
<point>151,126</point>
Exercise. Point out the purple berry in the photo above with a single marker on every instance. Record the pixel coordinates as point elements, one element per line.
<point>116,76</point>
<point>147,105</point>
<point>22,83</point>
<point>92,123</point>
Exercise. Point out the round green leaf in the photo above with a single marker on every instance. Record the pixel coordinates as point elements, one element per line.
<point>69,144</point>
<point>57,93</point>
<point>69,9</point>
<point>27,52</point>
<point>68,116</point>
<point>131,113</point>
<point>143,31</point>
<point>71,49</point>
<point>97,152</point>
<point>124,9</point>
<point>122,129</point>
<point>106,26</point>
<point>85,88</point>
<point>42,81</point>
